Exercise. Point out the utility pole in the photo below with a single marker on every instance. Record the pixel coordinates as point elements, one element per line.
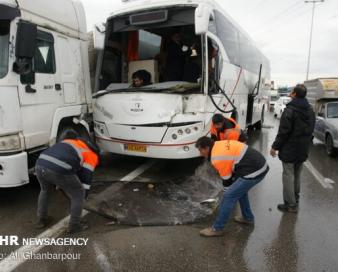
<point>314,2</point>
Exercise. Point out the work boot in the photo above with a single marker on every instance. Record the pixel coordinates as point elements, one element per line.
<point>287,208</point>
<point>43,222</point>
<point>77,228</point>
<point>241,220</point>
<point>210,232</point>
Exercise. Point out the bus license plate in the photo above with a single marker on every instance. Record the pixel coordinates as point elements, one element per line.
<point>135,148</point>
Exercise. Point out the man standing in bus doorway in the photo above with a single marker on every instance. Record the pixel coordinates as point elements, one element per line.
<point>68,165</point>
<point>225,128</point>
<point>293,143</point>
<point>243,167</point>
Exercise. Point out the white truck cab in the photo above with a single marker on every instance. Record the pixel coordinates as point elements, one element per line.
<point>44,80</point>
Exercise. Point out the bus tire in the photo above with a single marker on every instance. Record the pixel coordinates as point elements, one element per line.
<point>259,124</point>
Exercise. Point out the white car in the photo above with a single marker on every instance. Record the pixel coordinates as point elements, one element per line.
<point>280,106</point>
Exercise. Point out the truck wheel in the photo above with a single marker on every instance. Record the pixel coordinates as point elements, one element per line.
<point>80,130</point>
<point>330,149</point>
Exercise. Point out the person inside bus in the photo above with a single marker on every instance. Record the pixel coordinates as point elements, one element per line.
<point>141,78</point>
<point>226,128</point>
<point>176,57</point>
<point>192,68</point>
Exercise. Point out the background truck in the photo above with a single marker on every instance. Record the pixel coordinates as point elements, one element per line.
<point>323,96</point>
<point>44,80</point>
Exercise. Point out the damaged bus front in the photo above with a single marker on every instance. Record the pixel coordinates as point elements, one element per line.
<point>176,44</point>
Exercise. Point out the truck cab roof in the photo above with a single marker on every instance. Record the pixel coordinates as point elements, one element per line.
<point>64,16</point>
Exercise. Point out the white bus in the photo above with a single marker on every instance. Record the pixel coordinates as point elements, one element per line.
<point>220,70</point>
<point>44,80</point>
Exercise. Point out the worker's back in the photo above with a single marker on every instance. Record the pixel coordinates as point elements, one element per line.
<point>66,157</point>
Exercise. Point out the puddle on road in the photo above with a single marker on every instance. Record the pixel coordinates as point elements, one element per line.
<point>173,202</point>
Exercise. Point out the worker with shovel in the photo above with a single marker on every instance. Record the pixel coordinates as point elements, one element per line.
<point>244,167</point>
<point>68,165</point>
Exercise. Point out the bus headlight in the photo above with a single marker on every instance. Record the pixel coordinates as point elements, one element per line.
<point>188,130</point>
<point>10,143</point>
<point>180,132</point>
<point>100,128</point>
<point>174,136</point>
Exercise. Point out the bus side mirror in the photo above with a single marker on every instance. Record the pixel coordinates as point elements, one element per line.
<point>25,46</point>
<point>203,14</point>
<point>99,36</point>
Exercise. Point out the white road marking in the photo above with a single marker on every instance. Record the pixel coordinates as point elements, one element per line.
<point>138,171</point>
<point>9,263</point>
<point>325,182</point>
<point>102,259</point>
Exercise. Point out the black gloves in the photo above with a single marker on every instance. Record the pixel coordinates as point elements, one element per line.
<point>228,182</point>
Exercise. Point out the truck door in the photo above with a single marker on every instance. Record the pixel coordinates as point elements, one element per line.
<point>40,100</point>
<point>69,57</point>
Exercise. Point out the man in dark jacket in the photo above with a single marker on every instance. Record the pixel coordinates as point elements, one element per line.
<point>292,143</point>
<point>176,58</point>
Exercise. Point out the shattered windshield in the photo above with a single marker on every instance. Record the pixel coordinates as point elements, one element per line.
<point>164,87</point>
<point>4,47</point>
<point>332,110</point>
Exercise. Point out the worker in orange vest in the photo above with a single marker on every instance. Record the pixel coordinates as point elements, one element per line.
<point>68,165</point>
<point>243,167</point>
<point>224,128</point>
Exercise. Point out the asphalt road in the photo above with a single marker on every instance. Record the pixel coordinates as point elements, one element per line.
<point>307,241</point>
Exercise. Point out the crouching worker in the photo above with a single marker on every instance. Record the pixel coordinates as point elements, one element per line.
<point>243,167</point>
<point>223,128</point>
<point>69,165</point>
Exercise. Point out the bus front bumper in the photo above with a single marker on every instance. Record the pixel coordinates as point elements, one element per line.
<point>13,170</point>
<point>159,151</point>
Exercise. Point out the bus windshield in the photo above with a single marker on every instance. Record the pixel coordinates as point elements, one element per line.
<point>147,55</point>
<point>4,47</point>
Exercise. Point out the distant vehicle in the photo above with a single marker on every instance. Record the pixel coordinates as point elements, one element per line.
<point>281,105</point>
<point>273,97</point>
<point>44,81</point>
<point>164,119</point>
<point>323,95</point>
<point>285,91</point>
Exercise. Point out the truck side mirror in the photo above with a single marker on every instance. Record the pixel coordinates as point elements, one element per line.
<point>99,36</point>
<point>26,42</point>
<point>203,13</point>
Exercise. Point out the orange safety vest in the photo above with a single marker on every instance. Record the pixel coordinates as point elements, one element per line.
<point>225,155</point>
<point>89,159</point>
<point>228,134</point>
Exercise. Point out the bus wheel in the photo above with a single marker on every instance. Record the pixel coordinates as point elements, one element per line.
<point>259,124</point>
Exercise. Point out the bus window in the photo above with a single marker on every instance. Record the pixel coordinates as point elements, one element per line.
<point>149,45</point>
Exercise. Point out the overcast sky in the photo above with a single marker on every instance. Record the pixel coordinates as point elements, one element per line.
<point>281,28</point>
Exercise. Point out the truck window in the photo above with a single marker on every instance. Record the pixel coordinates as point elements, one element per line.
<point>4,45</point>
<point>44,59</point>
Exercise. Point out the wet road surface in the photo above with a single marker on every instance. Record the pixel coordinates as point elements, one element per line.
<point>307,241</point>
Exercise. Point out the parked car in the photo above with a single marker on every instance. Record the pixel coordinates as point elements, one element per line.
<point>323,95</point>
<point>280,106</point>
